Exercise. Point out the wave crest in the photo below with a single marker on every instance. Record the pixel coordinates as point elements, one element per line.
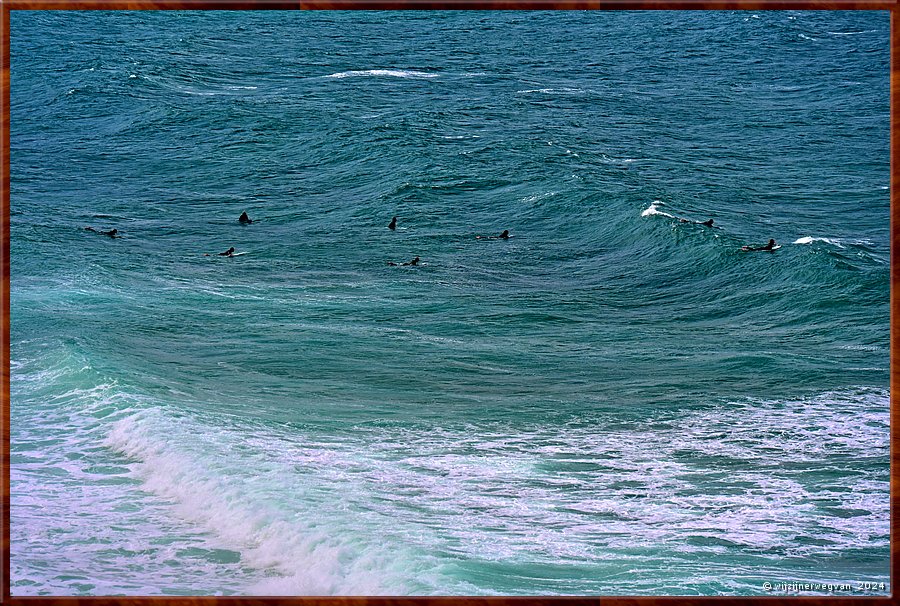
<point>394,73</point>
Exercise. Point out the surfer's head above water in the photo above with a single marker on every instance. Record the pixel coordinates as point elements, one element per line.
<point>244,218</point>
<point>393,223</point>
<point>504,236</point>
<point>111,233</point>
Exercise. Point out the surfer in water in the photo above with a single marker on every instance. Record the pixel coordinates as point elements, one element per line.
<point>770,246</point>
<point>227,253</point>
<point>708,222</point>
<point>413,262</point>
<point>111,233</point>
<point>244,218</point>
<point>393,223</point>
<point>504,236</point>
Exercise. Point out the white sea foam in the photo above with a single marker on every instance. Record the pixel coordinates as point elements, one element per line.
<point>654,210</point>
<point>538,197</point>
<point>255,504</point>
<point>77,520</point>
<point>498,481</point>
<point>839,242</point>
<point>552,91</point>
<point>395,73</point>
<point>810,240</point>
<point>863,347</point>
<point>363,513</point>
<point>656,486</point>
<point>199,93</point>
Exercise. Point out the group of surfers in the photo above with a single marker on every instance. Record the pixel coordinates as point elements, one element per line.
<point>393,225</point>
<point>771,245</point>
<point>246,220</point>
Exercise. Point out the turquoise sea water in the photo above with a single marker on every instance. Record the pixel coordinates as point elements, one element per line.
<point>610,402</point>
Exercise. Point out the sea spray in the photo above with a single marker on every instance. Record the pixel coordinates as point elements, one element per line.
<point>653,209</point>
<point>269,517</point>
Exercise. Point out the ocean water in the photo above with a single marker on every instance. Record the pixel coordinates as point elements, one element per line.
<point>612,401</point>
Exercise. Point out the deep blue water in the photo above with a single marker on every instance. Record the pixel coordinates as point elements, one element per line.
<point>612,401</point>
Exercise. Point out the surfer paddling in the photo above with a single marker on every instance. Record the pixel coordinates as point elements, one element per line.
<point>111,233</point>
<point>227,253</point>
<point>770,246</point>
<point>413,262</point>
<point>504,236</point>
<point>707,223</point>
<point>245,219</point>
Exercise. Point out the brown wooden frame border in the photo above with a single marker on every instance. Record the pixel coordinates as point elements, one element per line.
<point>890,5</point>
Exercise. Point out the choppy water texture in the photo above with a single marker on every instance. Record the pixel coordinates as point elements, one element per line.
<point>610,402</point>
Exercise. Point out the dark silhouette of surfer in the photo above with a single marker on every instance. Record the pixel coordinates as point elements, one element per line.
<point>244,218</point>
<point>111,233</point>
<point>393,223</point>
<point>413,262</point>
<point>708,223</point>
<point>227,253</point>
<point>769,246</point>
<point>504,236</point>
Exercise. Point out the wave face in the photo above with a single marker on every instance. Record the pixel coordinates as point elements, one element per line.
<point>615,400</point>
